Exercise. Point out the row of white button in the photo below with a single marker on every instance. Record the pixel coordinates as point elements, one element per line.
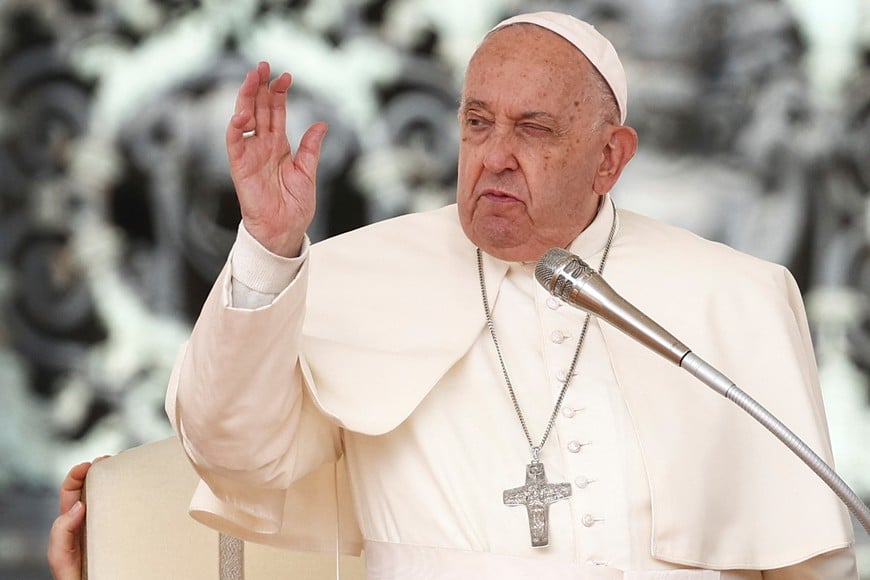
<point>581,481</point>
<point>574,446</point>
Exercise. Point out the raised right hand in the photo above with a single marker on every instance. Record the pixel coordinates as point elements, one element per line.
<point>276,189</point>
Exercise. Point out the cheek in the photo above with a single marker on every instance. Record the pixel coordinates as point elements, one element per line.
<point>547,171</point>
<point>468,166</point>
<point>554,163</point>
<point>465,181</point>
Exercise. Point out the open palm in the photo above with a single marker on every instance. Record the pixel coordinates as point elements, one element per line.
<point>276,189</point>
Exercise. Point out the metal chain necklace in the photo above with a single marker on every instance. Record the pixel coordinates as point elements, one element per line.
<point>537,494</point>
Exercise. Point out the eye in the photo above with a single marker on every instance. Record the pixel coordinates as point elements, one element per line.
<point>475,122</point>
<point>534,128</point>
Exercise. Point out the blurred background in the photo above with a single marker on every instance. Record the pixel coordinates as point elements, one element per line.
<point>117,211</point>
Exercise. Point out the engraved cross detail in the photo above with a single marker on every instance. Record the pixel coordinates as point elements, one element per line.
<point>537,495</point>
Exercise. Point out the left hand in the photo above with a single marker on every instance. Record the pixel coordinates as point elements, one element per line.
<point>65,538</point>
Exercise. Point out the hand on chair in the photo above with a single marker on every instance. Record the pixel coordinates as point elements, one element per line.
<point>65,538</point>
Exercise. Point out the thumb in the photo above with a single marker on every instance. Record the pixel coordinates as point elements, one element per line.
<point>308,155</point>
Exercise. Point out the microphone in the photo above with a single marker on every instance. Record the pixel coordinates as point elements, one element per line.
<point>567,277</point>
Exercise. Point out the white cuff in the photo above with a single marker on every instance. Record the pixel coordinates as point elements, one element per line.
<point>257,268</point>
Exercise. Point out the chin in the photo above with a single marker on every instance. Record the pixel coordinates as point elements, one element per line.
<point>501,238</point>
<point>496,238</point>
<point>509,250</point>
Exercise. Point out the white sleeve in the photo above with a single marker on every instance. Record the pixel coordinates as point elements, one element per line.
<point>259,276</point>
<point>237,397</point>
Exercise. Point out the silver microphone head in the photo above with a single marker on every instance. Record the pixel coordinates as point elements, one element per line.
<point>546,268</point>
<point>559,270</point>
<point>562,274</point>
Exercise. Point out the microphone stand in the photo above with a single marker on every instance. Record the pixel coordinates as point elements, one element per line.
<point>570,279</point>
<point>708,375</point>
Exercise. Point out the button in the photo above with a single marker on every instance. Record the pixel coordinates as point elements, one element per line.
<point>582,481</point>
<point>553,303</point>
<point>558,336</point>
<point>589,520</point>
<point>568,412</point>
<point>575,446</point>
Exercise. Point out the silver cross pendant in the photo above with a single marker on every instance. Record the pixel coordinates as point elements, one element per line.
<point>537,495</point>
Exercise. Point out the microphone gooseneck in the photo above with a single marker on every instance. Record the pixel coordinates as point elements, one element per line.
<point>572,280</point>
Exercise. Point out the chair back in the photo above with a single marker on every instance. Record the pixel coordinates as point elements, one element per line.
<point>138,528</point>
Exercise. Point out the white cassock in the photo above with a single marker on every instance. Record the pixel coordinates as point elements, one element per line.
<point>397,374</point>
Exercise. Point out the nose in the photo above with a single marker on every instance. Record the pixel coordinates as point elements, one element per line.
<point>500,152</point>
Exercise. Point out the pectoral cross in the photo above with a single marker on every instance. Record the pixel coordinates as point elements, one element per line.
<point>537,495</point>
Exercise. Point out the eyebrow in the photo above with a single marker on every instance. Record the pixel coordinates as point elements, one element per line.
<point>524,116</point>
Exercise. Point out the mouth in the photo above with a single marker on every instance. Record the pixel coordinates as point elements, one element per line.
<point>498,196</point>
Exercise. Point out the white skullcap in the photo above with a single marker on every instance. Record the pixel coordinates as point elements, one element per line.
<point>589,41</point>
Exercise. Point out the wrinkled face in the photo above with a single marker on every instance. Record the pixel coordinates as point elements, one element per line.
<point>529,153</point>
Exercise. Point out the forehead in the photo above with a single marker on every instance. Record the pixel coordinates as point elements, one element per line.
<point>530,45</point>
<point>525,62</point>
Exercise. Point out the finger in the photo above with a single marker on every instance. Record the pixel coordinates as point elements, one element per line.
<point>243,122</point>
<point>245,100</point>
<point>247,92</point>
<point>64,543</point>
<point>308,155</point>
<point>278,103</point>
<point>236,130</point>
<point>261,101</point>
<point>71,488</point>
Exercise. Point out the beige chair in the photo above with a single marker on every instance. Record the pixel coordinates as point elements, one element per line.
<point>138,528</point>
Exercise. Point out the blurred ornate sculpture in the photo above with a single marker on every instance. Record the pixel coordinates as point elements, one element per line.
<point>117,210</point>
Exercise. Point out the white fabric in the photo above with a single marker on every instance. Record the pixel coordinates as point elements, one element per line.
<point>419,454</point>
<point>593,415</point>
<point>392,372</point>
<point>392,561</point>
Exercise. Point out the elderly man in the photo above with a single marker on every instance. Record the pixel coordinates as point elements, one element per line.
<point>485,429</point>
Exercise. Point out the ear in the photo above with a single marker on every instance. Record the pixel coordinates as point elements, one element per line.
<point>617,152</point>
